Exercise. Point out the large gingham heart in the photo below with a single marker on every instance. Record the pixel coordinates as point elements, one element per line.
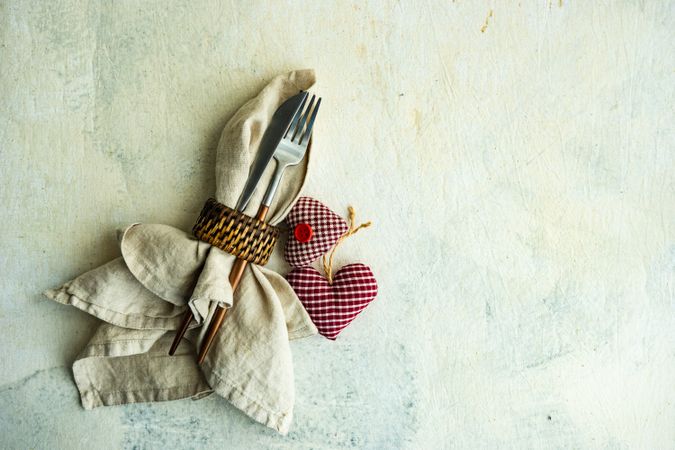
<point>313,229</point>
<point>333,306</point>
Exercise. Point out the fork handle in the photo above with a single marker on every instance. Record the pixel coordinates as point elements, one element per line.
<point>274,184</point>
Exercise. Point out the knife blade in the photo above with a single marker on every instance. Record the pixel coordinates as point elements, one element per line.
<point>273,133</point>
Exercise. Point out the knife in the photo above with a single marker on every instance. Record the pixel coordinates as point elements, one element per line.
<point>290,152</point>
<point>280,122</point>
<point>276,129</point>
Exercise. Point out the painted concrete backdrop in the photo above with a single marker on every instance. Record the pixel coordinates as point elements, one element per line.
<point>516,158</point>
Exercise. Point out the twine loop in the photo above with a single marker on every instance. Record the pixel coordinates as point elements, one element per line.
<point>328,265</point>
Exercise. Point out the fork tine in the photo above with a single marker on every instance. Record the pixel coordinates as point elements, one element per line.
<point>308,132</point>
<point>296,117</point>
<point>303,119</point>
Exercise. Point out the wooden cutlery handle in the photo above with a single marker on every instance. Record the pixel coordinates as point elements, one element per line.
<point>219,316</point>
<point>235,276</point>
<point>187,319</point>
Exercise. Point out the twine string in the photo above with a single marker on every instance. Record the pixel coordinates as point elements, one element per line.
<point>328,265</point>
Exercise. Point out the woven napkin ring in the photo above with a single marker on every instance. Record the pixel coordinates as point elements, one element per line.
<point>245,237</point>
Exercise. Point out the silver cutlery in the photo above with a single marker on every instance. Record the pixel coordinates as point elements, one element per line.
<point>281,120</point>
<point>289,152</point>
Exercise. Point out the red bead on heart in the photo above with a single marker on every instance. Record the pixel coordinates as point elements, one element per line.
<point>303,232</point>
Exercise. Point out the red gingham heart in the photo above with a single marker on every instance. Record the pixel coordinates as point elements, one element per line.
<point>326,228</point>
<point>333,306</point>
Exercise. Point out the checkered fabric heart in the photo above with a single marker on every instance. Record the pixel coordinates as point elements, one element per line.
<point>333,306</point>
<point>314,229</point>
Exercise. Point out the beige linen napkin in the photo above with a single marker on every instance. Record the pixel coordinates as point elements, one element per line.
<point>143,295</point>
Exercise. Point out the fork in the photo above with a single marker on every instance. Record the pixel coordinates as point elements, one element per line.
<point>290,151</point>
<point>293,146</point>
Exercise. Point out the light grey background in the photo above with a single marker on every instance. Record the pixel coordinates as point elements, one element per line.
<point>516,158</point>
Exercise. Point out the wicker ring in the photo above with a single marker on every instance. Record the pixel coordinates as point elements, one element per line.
<point>243,236</point>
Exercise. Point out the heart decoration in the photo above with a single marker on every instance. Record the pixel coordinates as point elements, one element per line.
<point>315,229</point>
<point>333,306</point>
<point>332,302</point>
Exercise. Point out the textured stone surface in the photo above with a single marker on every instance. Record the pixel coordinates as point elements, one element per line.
<point>517,160</point>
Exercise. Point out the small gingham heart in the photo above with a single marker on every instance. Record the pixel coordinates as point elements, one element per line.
<point>313,230</point>
<point>333,306</point>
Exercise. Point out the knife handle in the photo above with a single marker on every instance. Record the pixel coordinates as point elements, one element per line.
<point>219,316</point>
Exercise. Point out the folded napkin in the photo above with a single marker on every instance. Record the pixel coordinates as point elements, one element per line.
<point>143,295</point>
